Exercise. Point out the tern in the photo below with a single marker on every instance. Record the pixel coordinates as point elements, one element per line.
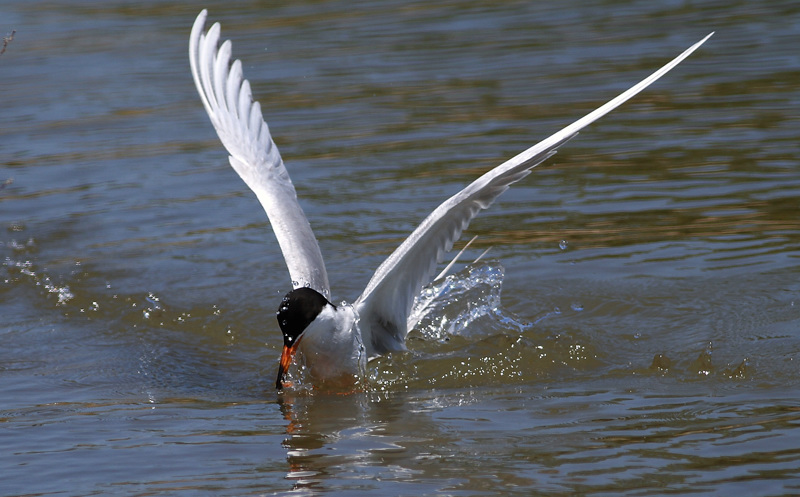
<point>335,341</point>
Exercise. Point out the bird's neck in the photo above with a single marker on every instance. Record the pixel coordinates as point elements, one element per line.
<point>332,345</point>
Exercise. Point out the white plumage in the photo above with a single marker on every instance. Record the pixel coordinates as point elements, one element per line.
<point>333,343</point>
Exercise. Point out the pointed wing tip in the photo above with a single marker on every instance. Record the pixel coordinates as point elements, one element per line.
<point>200,20</point>
<point>709,35</point>
<point>697,45</point>
<point>690,50</point>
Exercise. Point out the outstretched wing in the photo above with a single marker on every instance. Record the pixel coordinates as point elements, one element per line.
<point>384,306</point>
<point>237,119</point>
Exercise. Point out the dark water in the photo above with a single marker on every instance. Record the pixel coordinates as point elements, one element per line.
<point>648,337</point>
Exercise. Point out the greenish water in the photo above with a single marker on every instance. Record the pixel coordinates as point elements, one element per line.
<point>648,337</point>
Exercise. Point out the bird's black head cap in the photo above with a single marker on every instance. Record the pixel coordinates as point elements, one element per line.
<point>297,310</point>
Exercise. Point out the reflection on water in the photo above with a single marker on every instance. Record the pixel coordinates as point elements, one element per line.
<point>634,329</point>
<point>559,441</point>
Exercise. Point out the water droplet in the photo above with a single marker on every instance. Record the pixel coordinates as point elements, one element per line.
<point>576,306</point>
<point>563,244</point>
<point>556,310</point>
<point>661,362</point>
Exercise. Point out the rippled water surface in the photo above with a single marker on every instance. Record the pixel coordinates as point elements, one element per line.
<point>633,330</point>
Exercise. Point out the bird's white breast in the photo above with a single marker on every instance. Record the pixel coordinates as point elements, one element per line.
<point>331,348</point>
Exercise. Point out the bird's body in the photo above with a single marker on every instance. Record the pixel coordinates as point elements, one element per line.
<point>332,347</point>
<point>336,340</point>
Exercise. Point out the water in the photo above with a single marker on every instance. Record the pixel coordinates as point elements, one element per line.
<point>648,332</point>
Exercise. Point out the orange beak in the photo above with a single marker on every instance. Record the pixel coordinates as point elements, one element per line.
<point>286,360</point>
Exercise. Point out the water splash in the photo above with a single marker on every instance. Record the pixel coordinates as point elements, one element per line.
<point>703,365</point>
<point>26,269</point>
<point>154,307</point>
<point>449,306</point>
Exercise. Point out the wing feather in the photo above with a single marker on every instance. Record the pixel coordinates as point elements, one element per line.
<point>237,119</point>
<point>384,306</point>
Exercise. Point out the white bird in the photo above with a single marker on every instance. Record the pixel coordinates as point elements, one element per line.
<point>336,341</point>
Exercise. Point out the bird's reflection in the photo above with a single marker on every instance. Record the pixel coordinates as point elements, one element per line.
<point>326,431</point>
